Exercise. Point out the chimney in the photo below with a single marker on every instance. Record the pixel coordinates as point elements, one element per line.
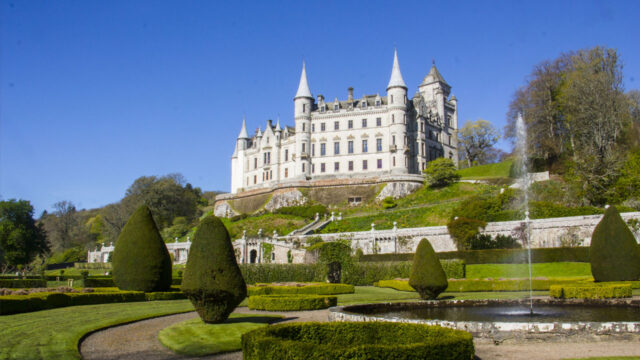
<point>350,93</point>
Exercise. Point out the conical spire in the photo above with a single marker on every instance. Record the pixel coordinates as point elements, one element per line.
<point>396,75</point>
<point>243,132</point>
<point>433,76</point>
<point>303,88</point>
<point>278,128</point>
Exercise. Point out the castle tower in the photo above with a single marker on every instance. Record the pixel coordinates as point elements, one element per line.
<point>397,105</point>
<point>435,88</point>
<point>238,158</point>
<point>303,102</point>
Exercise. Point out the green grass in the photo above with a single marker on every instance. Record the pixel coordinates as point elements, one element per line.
<point>54,334</point>
<point>195,338</point>
<point>498,170</point>
<point>283,224</point>
<point>76,272</point>
<point>456,191</point>
<point>371,294</point>
<point>549,270</point>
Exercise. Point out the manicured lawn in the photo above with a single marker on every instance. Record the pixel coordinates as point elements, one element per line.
<point>549,270</point>
<point>490,295</point>
<point>497,170</point>
<point>77,272</point>
<point>54,334</point>
<point>371,294</point>
<point>195,338</point>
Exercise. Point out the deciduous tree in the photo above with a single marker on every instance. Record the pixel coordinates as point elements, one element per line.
<point>21,238</point>
<point>476,139</point>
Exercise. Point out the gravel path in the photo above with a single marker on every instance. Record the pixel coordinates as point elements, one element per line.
<point>139,341</point>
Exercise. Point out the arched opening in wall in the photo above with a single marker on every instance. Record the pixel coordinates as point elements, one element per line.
<point>253,255</point>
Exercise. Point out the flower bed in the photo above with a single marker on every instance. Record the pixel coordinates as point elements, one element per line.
<point>344,340</point>
<point>294,302</point>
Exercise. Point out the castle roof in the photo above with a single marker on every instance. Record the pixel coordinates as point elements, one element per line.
<point>243,131</point>
<point>303,87</point>
<point>433,76</point>
<point>396,76</point>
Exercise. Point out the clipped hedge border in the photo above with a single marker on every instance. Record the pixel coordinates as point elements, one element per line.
<point>15,304</point>
<point>310,289</point>
<point>22,283</point>
<point>357,340</point>
<point>596,291</point>
<point>293,302</point>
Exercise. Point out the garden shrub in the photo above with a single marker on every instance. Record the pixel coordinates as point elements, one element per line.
<point>291,302</point>
<point>212,279</point>
<point>22,283</point>
<point>614,250</point>
<point>367,273</point>
<point>141,261</point>
<point>427,275</point>
<point>357,340</point>
<point>463,230</point>
<point>309,289</point>
<point>486,241</point>
<point>270,273</point>
<point>388,203</point>
<point>596,291</point>
<point>335,256</point>
<point>441,172</point>
<point>482,285</point>
<point>98,282</point>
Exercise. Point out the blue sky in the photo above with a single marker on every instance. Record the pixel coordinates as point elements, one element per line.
<point>95,94</point>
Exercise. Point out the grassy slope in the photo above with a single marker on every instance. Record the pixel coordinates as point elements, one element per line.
<point>283,224</point>
<point>488,171</point>
<point>549,270</point>
<point>195,338</point>
<point>54,334</point>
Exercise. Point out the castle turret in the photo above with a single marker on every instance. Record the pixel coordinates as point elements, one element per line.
<point>435,88</point>
<point>303,102</point>
<point>238,158</point>
<point>397,104</point>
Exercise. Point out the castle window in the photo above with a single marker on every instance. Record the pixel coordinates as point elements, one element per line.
<point>267,158</point>
<point>379,163</point>
<point>303,167</point>
<point>378,144</point>
<point>378,121</point>
<point>405,99</point>
<point>405,118</point>
<point>255,163</point>
<point>304,148</point>
<point>393,118</point>
<point>377,102</point>
<point>449,139</point>
<point>364,164</point>
<point>313,149</point>
<point>304,107</point>
<point>273,256</point>
<point>336,166</point>
<point>323,108</point>
<point>286,173</point>
<point>313,168</point>
<point>364,146</point>
<point>393,140</point>
<point>364,104</point>
<point>255,179</point>
<point>304,128</point>
<point>350,165</point>
<point>421,126</point>
<point>322,127</point>
<point>262,177</point>
<point>350,146</point>
<point>350,124</point>
<point>286,154</point>
<point>336,148</point>
<point>364,123</point>
<point>394,161</point>
<point>336,125</point>
<point>405,140</point>
<point>323,149</point>
<point>336,107</point>
<point>313,127</point>
<point>322,168</point>
<point>391,99</point>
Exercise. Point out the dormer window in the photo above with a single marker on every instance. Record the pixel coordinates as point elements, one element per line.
<point>364,104</point>
<point>336,107</point>
<point>378,102</point>
<point>323,108</point>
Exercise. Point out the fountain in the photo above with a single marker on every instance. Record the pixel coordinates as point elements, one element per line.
<point>553,319</point>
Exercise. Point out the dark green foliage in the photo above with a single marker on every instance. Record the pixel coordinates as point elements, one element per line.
<point>596,291</point>
<point>485,241</point>
<point>212,279</point>
<point>388,203</point>
<point>309,289</point>
<point>22,283</point>
<point>270,273</point>
<point>463,230</point>
<point>336,256</point>
<point>486,285</point>
<point>614,250</point>
<point>21,239</point>
<point>367,273</point>
<point>238,217</point>
<point>357,340</point>
<point>441,172</point>
<point>71,255</point>
<point>291,302</point>
<point>95,282</point>
<point>141,261</point>
<point>308,212</point>
<point>545,209</point>
<point>427,275</point>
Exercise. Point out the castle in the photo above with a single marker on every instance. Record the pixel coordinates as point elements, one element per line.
<point>354,138</point>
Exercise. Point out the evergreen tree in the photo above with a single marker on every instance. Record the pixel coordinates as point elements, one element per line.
<point>427,275</point>
<point>614,251</point>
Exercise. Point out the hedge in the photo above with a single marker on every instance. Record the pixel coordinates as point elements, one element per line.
<point>477,285</point>
<point>292,302</point>
<point>310,289</point>
<point>97,265</point>
<point>356,340</point>
<point>98,282</point>
<point>597,291</point>
<point>270,273</point>
<point>497,256</point>
<point>14,304</point>
<point>22,283</point>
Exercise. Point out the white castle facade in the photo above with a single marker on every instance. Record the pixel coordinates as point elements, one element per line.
<point>370,136</point>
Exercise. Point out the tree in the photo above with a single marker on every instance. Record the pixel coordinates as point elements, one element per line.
<point>441,172</point>
<point>212,279</point>
<point>427,275</point>
<point>21,239</point>
<point>476,139</point>
<point>141,261</point>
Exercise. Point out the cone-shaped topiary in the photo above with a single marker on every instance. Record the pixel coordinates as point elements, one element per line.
<point>614,251</point>
<point>141,261</point>
<point>212,279</point>
<point>427,275</point>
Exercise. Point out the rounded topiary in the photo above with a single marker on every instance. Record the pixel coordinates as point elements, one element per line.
<point>614,251</point>
<point>212,278</point>
<point>427,275</point>
<point>141,261</point>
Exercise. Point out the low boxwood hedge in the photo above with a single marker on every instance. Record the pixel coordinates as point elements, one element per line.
<point>357,340</point>
<point>595,291</point>
<point>22,283</point>
<point>293,302</point>
<point>14,304</point>
<point>311,289</point>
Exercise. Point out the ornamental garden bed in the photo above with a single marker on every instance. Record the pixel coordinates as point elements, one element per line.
<point>372,340</point>
<point>595,291</point>
<point>292,302</point>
